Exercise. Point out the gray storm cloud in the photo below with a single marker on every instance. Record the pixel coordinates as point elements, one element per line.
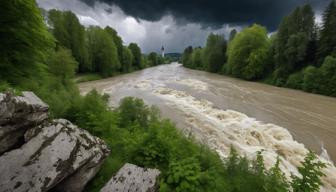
<point>150,35</point>
<point>212,13</point>
<point>167,26</point>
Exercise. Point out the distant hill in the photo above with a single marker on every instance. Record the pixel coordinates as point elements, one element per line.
<point>174,56</point>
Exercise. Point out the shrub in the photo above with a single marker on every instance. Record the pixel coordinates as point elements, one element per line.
<point>295,81</point>
<point>311,79</point>
<point>184,175</point>
<point>310,180</point>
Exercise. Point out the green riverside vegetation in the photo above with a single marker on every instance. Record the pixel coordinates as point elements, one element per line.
<point>135,133</point>
<point>44,55</point>
<point>300,55</point>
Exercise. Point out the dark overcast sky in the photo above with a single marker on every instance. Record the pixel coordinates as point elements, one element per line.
<point>178,23</point>
<point>212,12</point>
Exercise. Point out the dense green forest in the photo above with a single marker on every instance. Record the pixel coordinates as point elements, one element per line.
<point>300,55</point>
<point>43,55</point>
<point>95,49</point>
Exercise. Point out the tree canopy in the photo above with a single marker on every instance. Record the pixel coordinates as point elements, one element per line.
<point>297,55</point>
<point>295,38</point>
<point>103,51</point>
<point>25,43</point>
<point>327,41</point>
<point>136,51</point>
<point>248,53</point>
<point>214,53</point>
<point>71,34</point>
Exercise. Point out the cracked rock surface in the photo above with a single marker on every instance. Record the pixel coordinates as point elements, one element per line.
<point>54,155</point>
<point>132,178</point>
<point>17,115</point>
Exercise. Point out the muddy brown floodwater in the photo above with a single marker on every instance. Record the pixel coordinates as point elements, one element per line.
<point>222,111</point>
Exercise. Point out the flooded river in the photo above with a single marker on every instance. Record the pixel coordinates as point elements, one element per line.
<point>222,111</point>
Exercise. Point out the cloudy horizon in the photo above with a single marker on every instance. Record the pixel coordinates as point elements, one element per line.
<point>167,26</point>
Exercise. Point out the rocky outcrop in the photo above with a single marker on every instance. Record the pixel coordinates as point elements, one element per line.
<point>17,114</point>
<point>132,178</point>
<point>54,155</point>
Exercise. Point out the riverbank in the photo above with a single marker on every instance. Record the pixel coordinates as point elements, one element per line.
<point>248,113</point>
<point>81,78</point>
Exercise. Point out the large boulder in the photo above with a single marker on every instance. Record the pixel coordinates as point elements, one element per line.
<point>57,155</point>
<point>17,115</point>
<point>132,178</point>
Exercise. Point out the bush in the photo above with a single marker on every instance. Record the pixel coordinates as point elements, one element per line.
<point>153,151</point>
<point>133,110</point>
<point>184,175</point>
<point>310,180</point>
<point>91,113</point>
<point>321,80</point>
<point>328,73</point>
<point>311,79</point>
<point>295,81</point>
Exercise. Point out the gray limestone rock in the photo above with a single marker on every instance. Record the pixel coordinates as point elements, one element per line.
<point>17,115</point>
<point>132,178</point>
<point>56,155</point>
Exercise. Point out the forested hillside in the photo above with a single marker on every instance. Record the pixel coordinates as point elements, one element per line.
<point>43,54</point>
<point>300,55</point>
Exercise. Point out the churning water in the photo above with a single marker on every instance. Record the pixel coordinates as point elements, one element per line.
<point>222,111</point>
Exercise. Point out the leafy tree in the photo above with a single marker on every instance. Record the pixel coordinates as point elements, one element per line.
<point>197,58</point>
<point>232,161</point>
<point>187,57</point>
<point>136,51</point>
<point>233,33</point>
<point>259,171</point>
<point>310,180</point>
<point>153,59</point>
<point>25,44</point>
<point>295,42</point>
<point>103,52</point>
<point>25,48</point>
<point>144,61</point>
<point>238,173</point>
<point>276,179</point>
<point>248,53</point>
<point>127,59</point>
<point>63,65</point>
<point>69,33</point>
<point>214,53</point>
<point>327,41</point>
<point>118,42</point>
<point>160,60</point>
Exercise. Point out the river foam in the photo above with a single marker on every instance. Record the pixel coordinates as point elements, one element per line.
<point>222,128</point>
<point>193,83</point>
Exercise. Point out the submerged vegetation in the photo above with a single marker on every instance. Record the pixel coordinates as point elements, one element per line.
<point>300,55</point>
<point>44,60</point>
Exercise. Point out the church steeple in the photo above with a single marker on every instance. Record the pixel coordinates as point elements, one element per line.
<point>162,51</point>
